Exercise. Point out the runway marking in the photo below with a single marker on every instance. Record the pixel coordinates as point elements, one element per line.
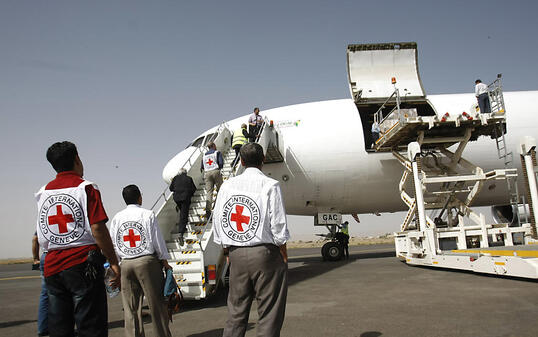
<point>492,252</point>
<point>18,278</point>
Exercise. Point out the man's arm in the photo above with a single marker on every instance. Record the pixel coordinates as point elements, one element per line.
<point>35,249</point>
<point>220,160</point>
<point>277,215</point>
<point>193,187</point>
<point>103,240</point>
<point>284,252</point>
<point>158,241</point>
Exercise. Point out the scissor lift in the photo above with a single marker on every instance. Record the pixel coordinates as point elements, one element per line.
<point>442,182</point>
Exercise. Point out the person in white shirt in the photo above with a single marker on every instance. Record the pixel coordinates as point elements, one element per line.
<point>375,133</point>
<point>140,246</point>
<point>481,93</point>
<point>249,221</point>
<point>255,122</point>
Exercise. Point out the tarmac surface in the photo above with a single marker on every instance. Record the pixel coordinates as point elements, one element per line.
<point>372,294</point>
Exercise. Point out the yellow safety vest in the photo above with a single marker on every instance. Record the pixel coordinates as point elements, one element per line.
<point>239,138</point>
<point>345,230</point>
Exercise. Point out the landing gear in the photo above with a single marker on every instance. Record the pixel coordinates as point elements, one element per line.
<point>332,251</point>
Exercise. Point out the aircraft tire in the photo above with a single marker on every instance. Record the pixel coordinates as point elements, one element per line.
<point>324,251</point>
<point>333,251</point>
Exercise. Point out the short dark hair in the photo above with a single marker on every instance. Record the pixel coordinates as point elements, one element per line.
<point>61,155</point>
<point>477,81</point>
<point>252,155</point>
<point>211,145</point>
<point>256,108</point>
<point>131,194</point>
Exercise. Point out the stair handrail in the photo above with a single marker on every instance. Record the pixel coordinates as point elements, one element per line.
<point>197,151</point>
<point>378,115</point>
<point>495,95</point>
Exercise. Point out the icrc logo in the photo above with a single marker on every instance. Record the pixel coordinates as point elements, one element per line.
<point>61,219</point>
<point>131,238</point>
<point>241,218</point>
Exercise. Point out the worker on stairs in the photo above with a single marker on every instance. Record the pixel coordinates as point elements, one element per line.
<point>212,163</point>
<point>183,187</point>
<point>239,138</point>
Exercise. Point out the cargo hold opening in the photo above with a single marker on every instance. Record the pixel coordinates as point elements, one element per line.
<point>375,71</point>
<point>367,111</point>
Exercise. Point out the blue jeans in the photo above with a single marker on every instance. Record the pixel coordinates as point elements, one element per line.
<point>42,314</point>
<point>76,298</point>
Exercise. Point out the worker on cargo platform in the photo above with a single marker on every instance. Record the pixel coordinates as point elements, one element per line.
<point>481,93</point>
<point>375,133</point>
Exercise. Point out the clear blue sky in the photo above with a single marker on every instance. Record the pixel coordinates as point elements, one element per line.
<point>132,82</point>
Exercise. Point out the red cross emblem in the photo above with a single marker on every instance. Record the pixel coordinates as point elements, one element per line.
<point>210,162</point>
<point>132,238</point>
<point>60,219</point>
<point>239,218</point>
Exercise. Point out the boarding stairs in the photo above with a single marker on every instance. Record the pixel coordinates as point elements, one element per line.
<point>198,264</point>
<point>440,181</point>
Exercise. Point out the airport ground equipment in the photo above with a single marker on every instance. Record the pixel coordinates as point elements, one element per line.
<point>443,183</point>
<point>199,265</point>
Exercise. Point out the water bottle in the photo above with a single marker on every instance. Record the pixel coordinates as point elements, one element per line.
<point>109,274</point>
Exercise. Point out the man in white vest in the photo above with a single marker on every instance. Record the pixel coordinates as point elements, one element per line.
<point>212,163</point>
<point>250,223</point>
<point>143,253</point>
<point>71,223</point>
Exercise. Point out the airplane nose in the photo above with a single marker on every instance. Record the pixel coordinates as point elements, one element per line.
<point>185,158</point>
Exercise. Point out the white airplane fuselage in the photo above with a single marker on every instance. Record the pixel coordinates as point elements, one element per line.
<point>326,166</point>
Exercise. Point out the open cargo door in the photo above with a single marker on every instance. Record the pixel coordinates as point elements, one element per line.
<point>372,66</point>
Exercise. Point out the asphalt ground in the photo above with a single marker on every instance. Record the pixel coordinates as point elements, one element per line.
<point>372,294</point>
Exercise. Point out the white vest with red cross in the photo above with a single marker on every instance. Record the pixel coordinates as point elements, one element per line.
<point>210,161</point>
<point>135,233</point>
<point>62,217</point>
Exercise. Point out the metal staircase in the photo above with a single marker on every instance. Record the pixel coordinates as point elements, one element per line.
<point>198,263</point>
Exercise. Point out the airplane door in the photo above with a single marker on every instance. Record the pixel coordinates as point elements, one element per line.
<point>372,66</point>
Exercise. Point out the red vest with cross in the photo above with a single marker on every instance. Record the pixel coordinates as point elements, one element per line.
<point>62,219</point>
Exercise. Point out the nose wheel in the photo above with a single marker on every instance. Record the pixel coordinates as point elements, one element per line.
<point>332,251</point>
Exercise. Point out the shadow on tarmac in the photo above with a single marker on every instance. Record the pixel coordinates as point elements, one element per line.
<point>217,332</point>
<point>371,334</point>
<point>312,266</point>
<point>15,323</point>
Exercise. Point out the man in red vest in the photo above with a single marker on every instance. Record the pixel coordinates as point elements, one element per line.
<point>71,222</point>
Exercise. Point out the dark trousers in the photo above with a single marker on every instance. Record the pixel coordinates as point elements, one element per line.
<point>183,214</point>
<point>43,312</point>
<point>375,136</point>
<point>253,132</point>
<point>256,272</point>
<point>236,148</point>
<point>483,103</point>
<point>74,298</point>
<point>346,250</point>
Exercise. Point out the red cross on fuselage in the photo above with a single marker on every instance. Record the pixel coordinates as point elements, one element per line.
<point>239,218</point>
<point>60,219</point>
<point>210,162</point>
<point>132,238</point>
